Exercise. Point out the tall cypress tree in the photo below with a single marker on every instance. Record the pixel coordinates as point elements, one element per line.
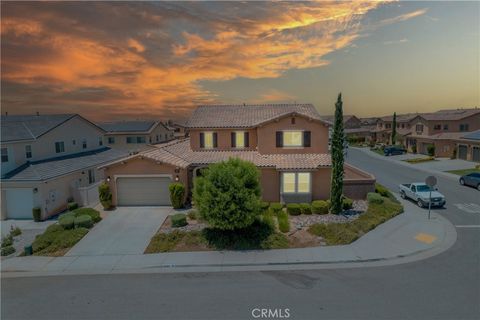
<point>338,140</point>
<point>394,128</point>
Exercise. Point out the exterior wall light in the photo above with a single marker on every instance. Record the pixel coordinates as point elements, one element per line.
<point>177,178</point>
<point>108,179</point>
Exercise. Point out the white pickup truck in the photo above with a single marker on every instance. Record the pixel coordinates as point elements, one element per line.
<point>420,193</point>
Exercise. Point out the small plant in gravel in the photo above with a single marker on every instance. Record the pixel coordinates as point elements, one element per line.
<point>320,207</point>
<point>179,220</point>
<point>105,195</point>
<point>276,207</point>
<point>192,214</point>
<point>283,223</point>
<point>347,203</point>
<point>305,208</point>
<point>15,231</point>
<point>7,241</point>
<point>6,251</point>
<point>177,193</point>
<point>293,209</point>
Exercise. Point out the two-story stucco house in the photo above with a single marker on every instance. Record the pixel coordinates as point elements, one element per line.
<point>135,136</point>
<point>287,142</point>
<point>48,159</point>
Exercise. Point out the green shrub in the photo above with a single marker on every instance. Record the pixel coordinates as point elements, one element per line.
<point>72,206</point>
<point>7,241</point>
<point>267,217</point>
<point>431,150</point>
<point>293,209</point>
<point>275,241</point>
<point>15,231</point>
<point>192,214</point>
<point>320,207</point>
<point>105,195</point>
<point>414,149</point>
<point>83,221</point>
<point>94,214</point>
<point>227,196</point>
<point>179,220</point>
<point>66,221</point>
<point>6,251</point>
<point>276,207</point>
<point>55,242</point>
<point>264,205</point>
<point>177,192</point>
<point>305,208</point>
<point>384,192</point>
<point>247,238</point>
<point>54,228</point>
<point>37,214</point>
<point>374,198</point>
<point>347,203</point>
<point>283,223</point>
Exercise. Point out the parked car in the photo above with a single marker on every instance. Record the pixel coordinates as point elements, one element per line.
<point>420,193</point>
<point>393,150</point>
<point>471,179</point>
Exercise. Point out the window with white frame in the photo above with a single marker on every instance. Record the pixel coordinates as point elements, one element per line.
<point>293,138</point>
<point>28,151</point>
<point>296,182</point>
<point>4,155</point>
<point>59,147</point>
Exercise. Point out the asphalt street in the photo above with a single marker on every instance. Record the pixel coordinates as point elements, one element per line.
<point>446,286</point>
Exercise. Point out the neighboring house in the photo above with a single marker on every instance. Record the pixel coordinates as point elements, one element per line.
<point>179,129</point>
<point>382,133</point>
<point>354,128</point>
<point>287,142</point>
<point>135,136</point>
<point>47,159</point>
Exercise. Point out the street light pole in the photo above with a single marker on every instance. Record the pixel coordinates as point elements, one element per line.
<point>429,203</point>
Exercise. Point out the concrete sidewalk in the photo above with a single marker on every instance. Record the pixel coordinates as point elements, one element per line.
<point>405,238</point>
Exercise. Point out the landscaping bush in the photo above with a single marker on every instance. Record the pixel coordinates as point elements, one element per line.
<point>384,192</point>
<point>15,231</point>
<point>105,195</point>
<point>375,198</point>
<point>414,149</point>
<point>53,228</point>
<point>94,214</point>
<point>320,207</point>
<point>247,238</point>
<point>177,192</point>
<point>267,217</point>
<point>227,196</point>
<point>37,214</point>
<point>6,251</point>
<point>305,208</point>
<point>347,203</point>
<point>192,214</point>
<point>293,209</point>
<point>431,150</point>
<point>275,241</point>
<point>283,223</point>
<point>66,221</point>
<point>72,206</point>
<point>264,205</point>
<point>179,220</point>
<point>7,241</point>
<point>276,207</point>
<point>83,221</point>
<point>56,242</point>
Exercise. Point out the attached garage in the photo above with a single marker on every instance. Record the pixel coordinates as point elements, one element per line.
<point>462,152</point>
<point>476,154</point>
<point>143,191</point>
<point>19,203</point>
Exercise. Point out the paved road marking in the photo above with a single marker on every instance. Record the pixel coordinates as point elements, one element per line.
<point>468,207</point>
<point>469,226</point>
<point>426,238</point>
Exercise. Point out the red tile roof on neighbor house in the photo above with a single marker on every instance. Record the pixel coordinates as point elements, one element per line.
<point>454,114</point>
<point>178,153</point>
<point>247,115</point>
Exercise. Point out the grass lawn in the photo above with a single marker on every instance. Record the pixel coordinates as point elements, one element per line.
<point>464,171</point>
<point>420,160</point>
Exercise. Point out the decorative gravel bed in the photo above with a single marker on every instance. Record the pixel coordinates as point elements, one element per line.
<point>193,225</point>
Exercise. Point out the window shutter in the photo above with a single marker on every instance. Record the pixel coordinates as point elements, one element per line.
<point>247,135</point>
<point>233,136</point>
<point>279,139</point>
<point>215,140</point>
<point>202,140</point>
<point>306,138</point>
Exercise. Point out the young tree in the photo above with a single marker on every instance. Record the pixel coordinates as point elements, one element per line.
<point>227,196</point>
<point>338,141</point>
<point>394,128</point>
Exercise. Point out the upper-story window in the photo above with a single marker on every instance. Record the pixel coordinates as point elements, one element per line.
<point>111,140</point>
<point>4,155</point>
<point>100,141</point>
<point>74,142</point>
<point>445,127</point>
<point>293,139</point>
<point>419,128</point>
<point>437,127</point>
<point>388,125</point>
<point>240,139</point>
<point>464,127</point>
<point>84,144</point>
<point>59,147</point>
<point>208,140</point>
<point>158,138</point>
<point>28,151</point>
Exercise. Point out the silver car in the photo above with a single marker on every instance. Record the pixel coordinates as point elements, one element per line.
<point>471,179</point>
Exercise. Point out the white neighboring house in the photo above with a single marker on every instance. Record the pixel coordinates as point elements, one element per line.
<point>47,159</point>
<point>135,136</point>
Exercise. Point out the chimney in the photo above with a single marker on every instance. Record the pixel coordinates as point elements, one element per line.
<point>38,113</point>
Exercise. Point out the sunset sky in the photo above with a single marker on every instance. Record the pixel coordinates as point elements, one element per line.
<point>124,60</point>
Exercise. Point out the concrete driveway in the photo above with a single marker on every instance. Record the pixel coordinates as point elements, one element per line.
<point>126,230</point>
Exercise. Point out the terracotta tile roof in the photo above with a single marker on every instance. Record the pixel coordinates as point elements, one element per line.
<point>443,136</point>
<point>180,154</point>
<point>400,117</point>
<point>246,116</point>
<point>456,114</point>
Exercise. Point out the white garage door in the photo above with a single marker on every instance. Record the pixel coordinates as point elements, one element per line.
<point>143,191</point>
<point>19,203</point>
